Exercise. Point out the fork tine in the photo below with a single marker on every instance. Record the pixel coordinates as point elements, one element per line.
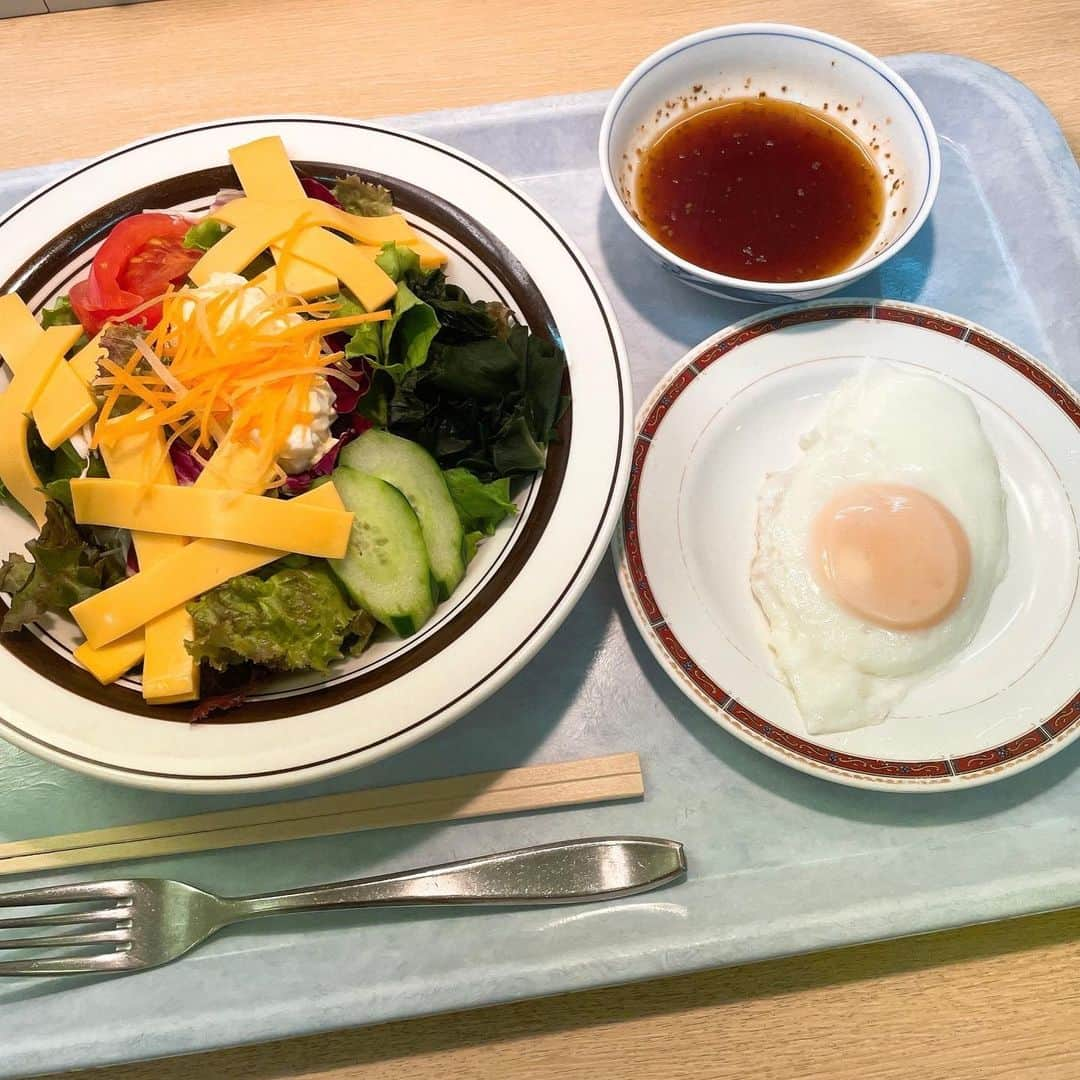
<point>64,894</point>
<point>71,965</point>
<point>66,941</point>
<point>64,918</point>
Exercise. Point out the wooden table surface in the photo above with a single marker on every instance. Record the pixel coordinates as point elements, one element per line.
<point>994,1001</point>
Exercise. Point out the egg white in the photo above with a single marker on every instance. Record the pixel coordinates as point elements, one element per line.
<point>883,425</point>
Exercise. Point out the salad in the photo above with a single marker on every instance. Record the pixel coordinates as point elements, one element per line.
<point>253,440</point>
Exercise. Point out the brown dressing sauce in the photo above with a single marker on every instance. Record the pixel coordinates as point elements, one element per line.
<point>761,189</point>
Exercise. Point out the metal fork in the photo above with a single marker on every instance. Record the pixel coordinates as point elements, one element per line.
<point>146,922</point>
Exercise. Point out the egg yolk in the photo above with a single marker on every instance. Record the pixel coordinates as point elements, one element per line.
<point>892,555</point>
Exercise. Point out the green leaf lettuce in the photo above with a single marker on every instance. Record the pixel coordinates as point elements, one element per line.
<point>70,564</point>
<point>203,235</point>
<point>397,261</point>
<point>294,620</point>
<point>60,313</point>
<point>363,198</point>
<point>401,343</point>
<point>480,506</point>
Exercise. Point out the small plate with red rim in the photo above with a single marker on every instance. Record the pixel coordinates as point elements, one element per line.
<point>733,410</point>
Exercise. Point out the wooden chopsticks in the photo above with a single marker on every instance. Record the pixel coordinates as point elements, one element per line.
<point>536,787</point>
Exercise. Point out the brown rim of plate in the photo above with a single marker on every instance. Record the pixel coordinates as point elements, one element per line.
<point>757,728</point>
<point>487,255</point>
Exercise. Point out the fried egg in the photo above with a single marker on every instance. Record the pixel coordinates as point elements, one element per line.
<point>879,550</point>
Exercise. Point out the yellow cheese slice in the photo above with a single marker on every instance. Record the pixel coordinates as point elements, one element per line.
<point>300,278</point>
<point>110,662</point>
<point>431,257</point>
<point>265,171</point>
<point>234,252</point>
<point>144,458</point>
<point>236,466</point>
<point>140,460</point>
<point>238,248</point>
<point>170,673</point>
<point>66,402</point>
<point>24,352</point>
<point>375,231</point>
<point>18,329</point>
<point>31,366</point>
<point>259,223</point>
<point>355,269</point>
<point>389,228</point>
<point>16,469</point>
<point>65,405</point>
<point>196,568</point>
<point>259,520</point>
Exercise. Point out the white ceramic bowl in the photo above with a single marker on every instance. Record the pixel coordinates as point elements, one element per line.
<point>795,64</point>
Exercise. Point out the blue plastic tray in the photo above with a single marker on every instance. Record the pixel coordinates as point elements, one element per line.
<point>780,862</point>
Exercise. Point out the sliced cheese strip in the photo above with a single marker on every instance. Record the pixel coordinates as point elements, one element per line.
<point>275,280</point>
<point>214,515</point>
<point>254,229</point>
<point>65,405</point>
<point>431,257</point>
<point>257,225</point>
<point>143,457</point>
<point>236,466</point>
<point>301,278</point>
<point>271,216</point>
<point>260,223</point>
<point>16,469</point>
<point>110,662</point>
<point>265,171</point>
<point>233,253</point>
<point>297,277</point>
<point>18,329</point>
<point>66,402</point>
<point>263,214</point>
<point>170,673</point>
<point>355,269</point>
<point>32,368</point>
<point>44,349</point>
<point>390,228</point>
<point>190,572</point>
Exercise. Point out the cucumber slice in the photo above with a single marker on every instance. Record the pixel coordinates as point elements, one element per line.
<point>415,473</point>
<point>386,569</point>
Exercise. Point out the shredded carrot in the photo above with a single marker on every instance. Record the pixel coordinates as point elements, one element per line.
<point>203,372</point>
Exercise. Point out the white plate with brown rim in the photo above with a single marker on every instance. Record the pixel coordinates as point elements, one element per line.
<point>730,412</point>
<point>518,589</point>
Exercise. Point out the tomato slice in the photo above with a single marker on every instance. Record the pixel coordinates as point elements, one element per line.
<point>140,258</point>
